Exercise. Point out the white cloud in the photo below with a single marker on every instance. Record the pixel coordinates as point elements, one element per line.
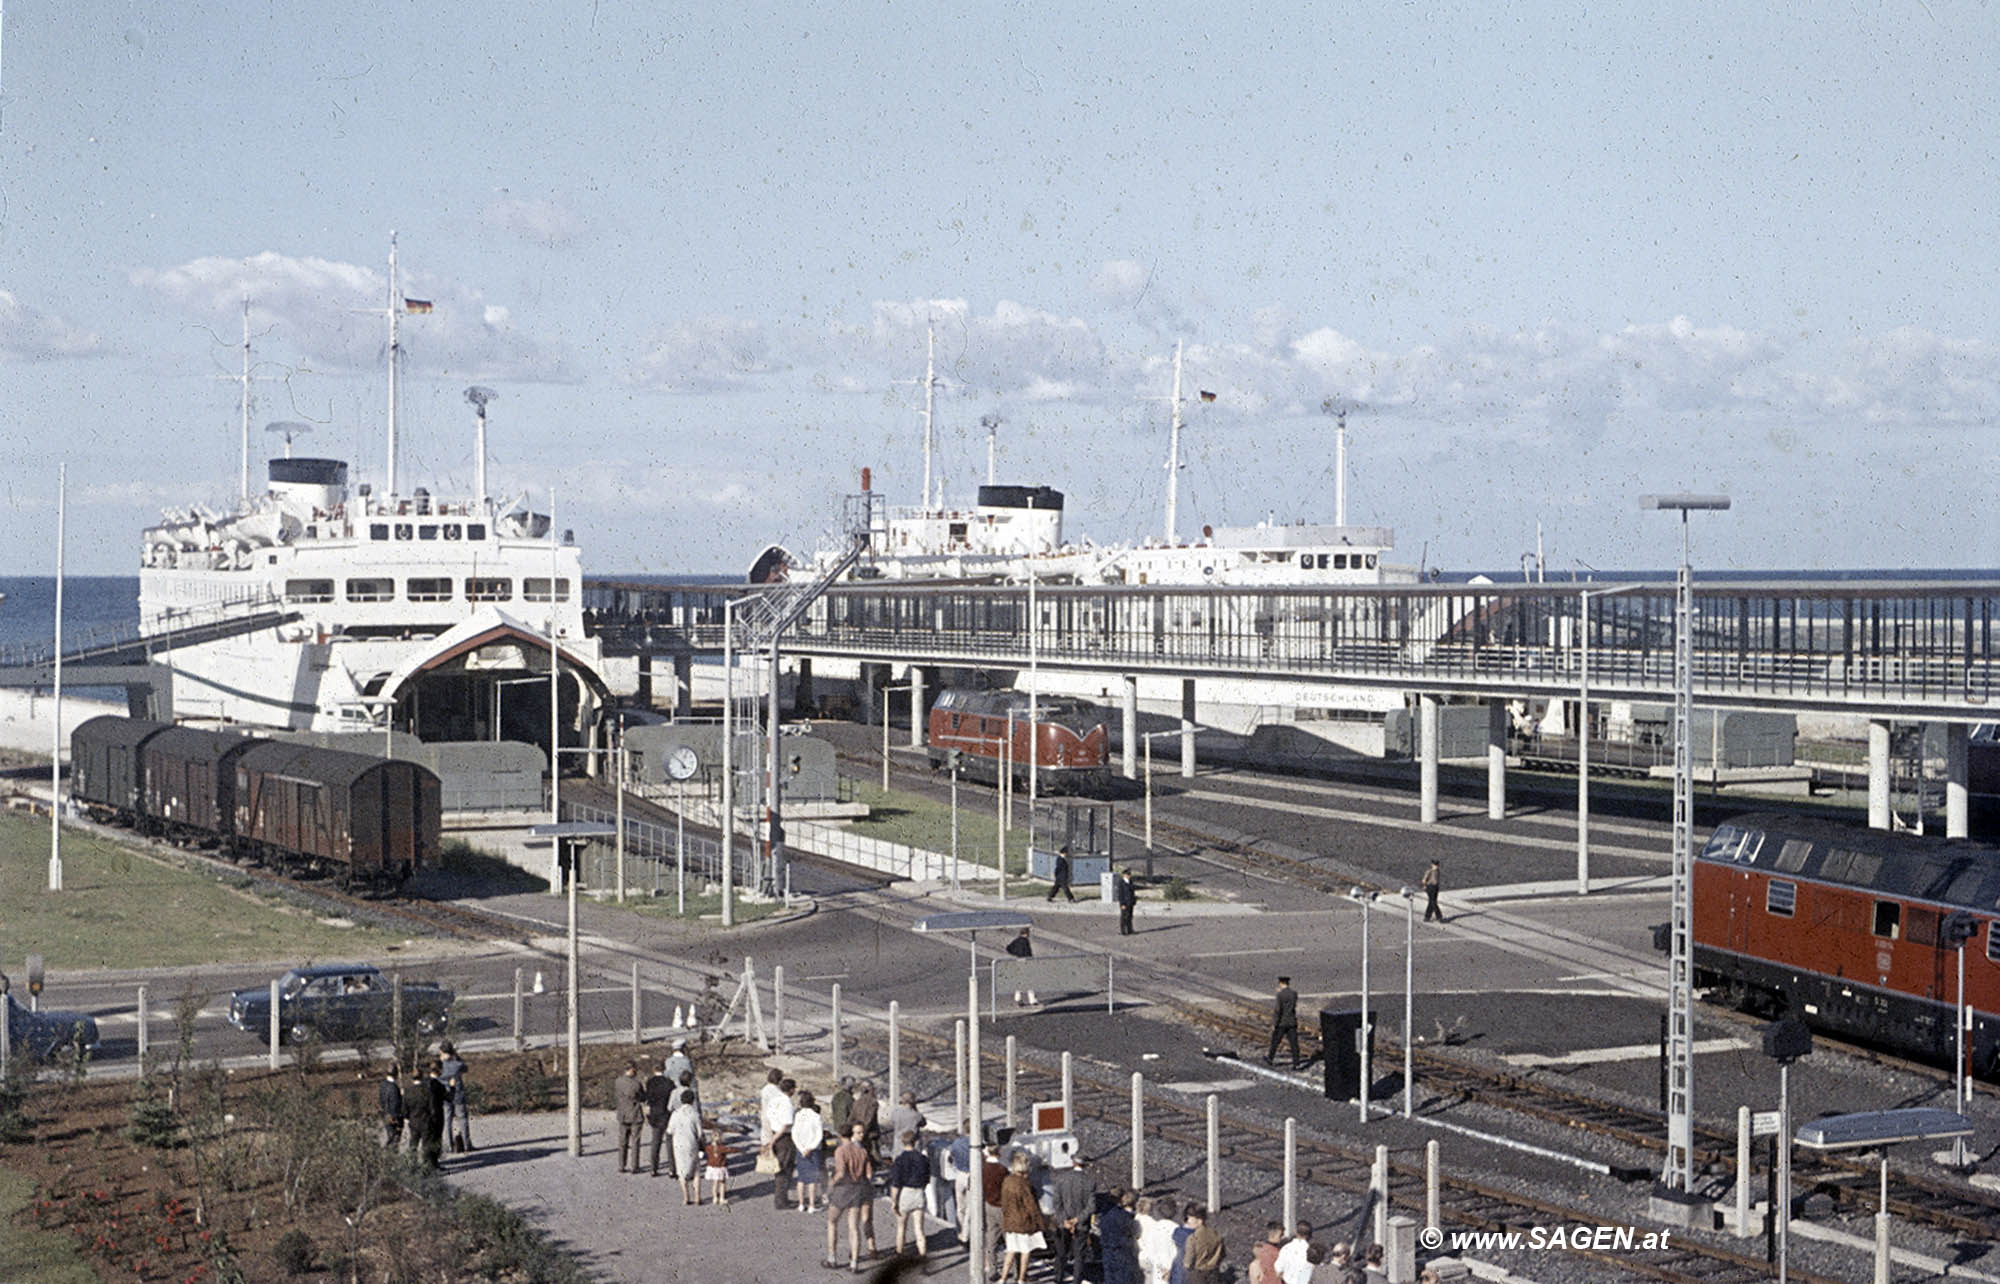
<point>29,334</point>
<point>1120,282</point>
<point>707,354</point>
<point>320,309</point>
<point>534,221</point>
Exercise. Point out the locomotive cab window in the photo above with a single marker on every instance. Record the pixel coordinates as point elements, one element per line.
<point>1792,856</point>
<point>1888,919</point>
<point>1993,940</point>
<point>1781,897</point>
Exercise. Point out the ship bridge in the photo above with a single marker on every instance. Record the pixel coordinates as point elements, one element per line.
<point>1916,650</point>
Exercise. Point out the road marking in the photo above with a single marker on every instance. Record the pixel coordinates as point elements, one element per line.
<point>1198,1087</point>
<point>1628,1052</point>
<point>1230,954</point>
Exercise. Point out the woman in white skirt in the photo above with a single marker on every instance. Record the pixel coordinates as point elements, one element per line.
<point>1020,1219</point>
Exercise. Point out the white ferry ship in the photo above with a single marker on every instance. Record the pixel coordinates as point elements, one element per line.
<point>1013,533</point>
<point>430,613</point>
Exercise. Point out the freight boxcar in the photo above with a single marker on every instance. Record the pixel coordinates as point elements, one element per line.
<point>188,782</point>
<point>1855,931</point>
<point>105,775</point>
<point>361,819</point>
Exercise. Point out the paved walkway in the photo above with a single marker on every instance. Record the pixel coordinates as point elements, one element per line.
<point>635,1230</point>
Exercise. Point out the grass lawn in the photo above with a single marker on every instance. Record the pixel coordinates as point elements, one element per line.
<point>926,822</point>
<point>122,909</point>
<point>698,907</point>
<point>29,1252</point>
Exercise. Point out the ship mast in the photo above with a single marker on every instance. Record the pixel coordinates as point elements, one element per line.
<point>930,403</point>
<point>243,468</point>
<point>395,359</point>
<point>1174,449</point>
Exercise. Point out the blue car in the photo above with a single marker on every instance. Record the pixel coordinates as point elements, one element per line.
<point>334,1001</point>
<point>49,1034</point>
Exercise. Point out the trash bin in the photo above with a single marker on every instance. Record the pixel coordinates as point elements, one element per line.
<point>1339,1029</point>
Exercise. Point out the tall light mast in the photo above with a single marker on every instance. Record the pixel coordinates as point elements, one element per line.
<point>479,396</point>
<point>991,423</point>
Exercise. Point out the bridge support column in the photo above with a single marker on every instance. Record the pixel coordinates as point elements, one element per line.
<point>870,678</point>
<point>1128,727</point>
<point>646,679</point>
<point>916,706</point>
<point>1957,772</point>
<point>1187,728</point>
<point>1496,760</point>
<point>803,703</point>
<point>683,685</point>
<point>1427,759</point>
<point>1878,774</point>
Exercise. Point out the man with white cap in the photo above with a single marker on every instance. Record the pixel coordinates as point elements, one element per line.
<point>677,1063</point>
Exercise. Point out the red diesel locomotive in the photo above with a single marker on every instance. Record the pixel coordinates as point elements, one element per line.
<point>1066,738</point>
<point>1854,931</point>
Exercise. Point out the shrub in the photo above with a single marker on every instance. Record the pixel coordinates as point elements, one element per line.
<point>1178,889</point>
<point>295,1252</point>
<point>155,1124</point>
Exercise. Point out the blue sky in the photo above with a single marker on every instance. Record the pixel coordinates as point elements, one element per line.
<point>1551,256</point>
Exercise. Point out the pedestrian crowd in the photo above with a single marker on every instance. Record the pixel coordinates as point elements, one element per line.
<point>841,1158</point>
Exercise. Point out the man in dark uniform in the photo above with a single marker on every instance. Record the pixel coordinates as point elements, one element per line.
<point>389,1101</point>
<point>426,1105</point>
<point>1127,897</point>
<point>1432,877</point>
<point>1285,1021</point>
<point>1062,875</point>
<point>1022,948</point>
<point>660,1092</point>
<point>628,1100</point>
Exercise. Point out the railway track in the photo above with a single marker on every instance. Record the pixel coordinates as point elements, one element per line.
<point>1328,1165</point>
<point>1851,1184</point>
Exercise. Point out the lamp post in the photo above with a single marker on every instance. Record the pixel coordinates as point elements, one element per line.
<point>727,820</point>
<point>1364,1037</point>
<point>1678,1175</point>
<point>971,922</point>
<point>575,833</point>
<point>1583,731</point>
<point>1409,995</point>
<point>1147,739</point>
<point>55,715</point>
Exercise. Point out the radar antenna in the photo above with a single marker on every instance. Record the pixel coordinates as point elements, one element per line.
<point>289,428</point>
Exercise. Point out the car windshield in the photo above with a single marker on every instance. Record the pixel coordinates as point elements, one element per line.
<point>290,985</point>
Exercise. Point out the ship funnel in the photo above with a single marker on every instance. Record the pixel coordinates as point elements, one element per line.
<point>867,480</point>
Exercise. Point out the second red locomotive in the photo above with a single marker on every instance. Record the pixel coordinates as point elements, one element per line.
<point>1065,737</point>
<point>1854,931</point>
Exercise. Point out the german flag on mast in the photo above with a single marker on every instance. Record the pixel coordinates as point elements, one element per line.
<point>416,305</point>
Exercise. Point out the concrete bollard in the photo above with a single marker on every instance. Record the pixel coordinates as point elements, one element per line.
<point>1214,1156</point>
<point>895,1053</point>
<point>778,1009</point>
<point>836,1032</point>
<point>1138,1131</point>
<point>520,1002</point>
<point>1378,1187</point>
<point>1291,1174</point>
<point>1399,1251</point>
<point>1010,1117</point>
<point>1433,1211</point>
<point>1742,1171</point>
<point>145,1031</point>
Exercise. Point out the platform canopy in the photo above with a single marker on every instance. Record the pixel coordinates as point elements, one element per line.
<point>1871,1128</point>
